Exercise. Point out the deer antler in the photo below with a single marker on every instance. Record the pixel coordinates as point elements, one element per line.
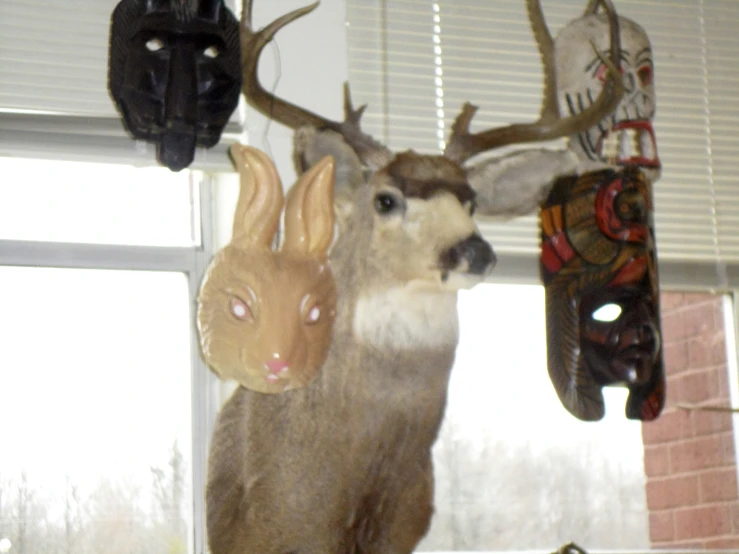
<point>371,152</point>
<point>592,7</point>
<point>463,145</point>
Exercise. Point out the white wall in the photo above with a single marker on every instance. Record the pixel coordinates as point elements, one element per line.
<point>312,67</point>
<point>308,66</point>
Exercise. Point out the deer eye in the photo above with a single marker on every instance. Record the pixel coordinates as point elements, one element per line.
<point>385,203</point>
<point>240,309</point>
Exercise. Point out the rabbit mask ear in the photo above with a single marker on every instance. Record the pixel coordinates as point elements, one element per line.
<point>260,197</point>
<point>309,213</point>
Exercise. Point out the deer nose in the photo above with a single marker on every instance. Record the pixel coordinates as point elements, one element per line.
<point>277,366</point>
<point>477,252</point>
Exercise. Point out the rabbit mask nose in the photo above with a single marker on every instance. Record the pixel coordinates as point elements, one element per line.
<point>277,366</point>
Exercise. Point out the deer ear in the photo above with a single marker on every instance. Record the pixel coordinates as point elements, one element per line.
<point>260,197</point>
<point>311,145</point>
<point>309,211</point>
<point>516,184</point>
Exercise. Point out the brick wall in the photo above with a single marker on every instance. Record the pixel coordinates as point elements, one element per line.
<point>689,456</point>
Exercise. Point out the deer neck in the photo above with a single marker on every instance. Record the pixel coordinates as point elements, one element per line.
<point>406,317</point>
<point>379,311</point>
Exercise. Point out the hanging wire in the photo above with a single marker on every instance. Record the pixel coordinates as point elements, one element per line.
<point>278,75</point>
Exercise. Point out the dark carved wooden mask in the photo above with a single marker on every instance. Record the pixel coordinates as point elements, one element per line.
<point>598,265</point>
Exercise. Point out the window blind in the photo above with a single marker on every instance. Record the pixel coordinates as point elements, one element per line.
<point>415,62</point>
<point>54,99</point>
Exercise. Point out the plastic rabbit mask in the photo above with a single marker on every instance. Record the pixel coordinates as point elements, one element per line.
<point>266,317</point>
<point>626,137</point>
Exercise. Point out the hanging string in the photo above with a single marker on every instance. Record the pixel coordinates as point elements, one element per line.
<point>278,75</point>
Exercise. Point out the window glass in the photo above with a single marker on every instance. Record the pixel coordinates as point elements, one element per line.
<point>514,471</point>
<point>45,200</point>
<point>95,411</point>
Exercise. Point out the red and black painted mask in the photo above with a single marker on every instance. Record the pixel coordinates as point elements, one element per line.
<point>174,72</point>
<point>598,264</point>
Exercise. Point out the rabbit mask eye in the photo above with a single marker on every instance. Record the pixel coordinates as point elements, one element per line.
<point>240,309</point>
<point>313,315</point>
<point>311,311</point>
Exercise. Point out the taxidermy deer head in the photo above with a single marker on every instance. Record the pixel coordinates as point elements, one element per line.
<point>344,464</point>
<point>408,173</point>
<point>265,317</point>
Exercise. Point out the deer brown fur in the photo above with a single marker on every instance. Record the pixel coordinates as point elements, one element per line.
<point>343,465</point>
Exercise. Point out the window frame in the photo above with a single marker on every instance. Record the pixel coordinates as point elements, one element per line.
<point>190,260</point>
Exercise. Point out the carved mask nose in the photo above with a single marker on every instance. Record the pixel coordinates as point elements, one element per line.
<point>475,251</point>
<point>629,82</point>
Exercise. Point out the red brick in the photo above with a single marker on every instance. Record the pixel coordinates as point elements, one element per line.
<point>669,301</point>
<point>726,543</point>
<point>673,327</point>
<point>718,350</point>
<point>718,485</point>
<point>699,453</point>
<point>692,299</point>
<point>699,319</point>
<point>685,545</point>
<point>723,382</point>
<point>735,517</point>
<point>669,427</point>
<point>718,313</point>
<point>661,527</point>
<point>656,461</point>
<point>703,522</point>
<point>698,387</point>
<point>705,423</point>
<point>728,447</point>
<point>672,492</point>
<point>676,357</point>
<point>699,352</point>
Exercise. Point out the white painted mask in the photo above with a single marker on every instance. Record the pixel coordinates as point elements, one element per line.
<point>627,136</point>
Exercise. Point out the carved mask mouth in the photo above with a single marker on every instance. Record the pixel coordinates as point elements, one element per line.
<point>629,143</point>
<point>635,365</point>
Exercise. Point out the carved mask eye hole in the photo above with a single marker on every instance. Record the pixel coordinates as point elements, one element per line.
<point>240,309</point>
<point>154,44</point>
<point>607,313</point>
<point>211,52</point>
<point>602,73</point>
<point>645,75</point>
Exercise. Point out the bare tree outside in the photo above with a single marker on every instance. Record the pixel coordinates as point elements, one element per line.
<point>117,515</point>
<point>76,477</point>
<point>74,517</point>
<point>514,471</point>
<point>169,494</point>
